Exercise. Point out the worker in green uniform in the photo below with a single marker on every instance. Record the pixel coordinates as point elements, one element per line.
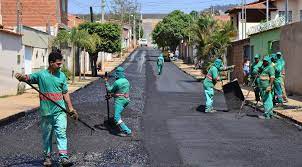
<point>266,81</point>
<point>160,63</point>
<point>53,83</point>
<point>212,77</point>
<point>280,58</point>
<point>120,91</point>
<point>254,75</point>
<point>278,67</point>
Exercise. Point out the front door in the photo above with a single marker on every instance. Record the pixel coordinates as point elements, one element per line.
<point>28,60</point>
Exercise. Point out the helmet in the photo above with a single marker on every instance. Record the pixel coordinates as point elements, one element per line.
<point>274,56</point>
<point>279,53</point>
<point>218,63</point>
<point>257,56</point>
<point>267,58</point>
<point>119,73</point>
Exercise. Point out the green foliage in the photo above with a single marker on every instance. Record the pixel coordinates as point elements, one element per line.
<point>212,37</point>
<point>62,39</point>
<point>172,29</point>
<point>109,33</point>
<point>67,73</point>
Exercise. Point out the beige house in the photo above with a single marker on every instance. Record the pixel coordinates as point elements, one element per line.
<point>255,13</point>
<point>294,10</point>
<point>11,61</point>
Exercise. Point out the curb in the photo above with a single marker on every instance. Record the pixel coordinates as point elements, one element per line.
<point>198,79</point>
<point>251,104</point>
<point>12,118</point>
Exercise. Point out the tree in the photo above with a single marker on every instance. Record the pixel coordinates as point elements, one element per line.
<point>171,30</point>
<point>109,34</point>
<point>212,38</point>
<point>77,39</point>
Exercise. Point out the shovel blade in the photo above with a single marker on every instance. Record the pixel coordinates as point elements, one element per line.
<point>233,95</point>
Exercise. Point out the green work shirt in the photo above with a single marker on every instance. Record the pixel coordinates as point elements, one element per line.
<point>212,77</point>
<point>160,61</point>
<point>120,86</point>
<point>255,68</point>
<point>265,76</point>
<point>279,67</point>
<point>53,86</point>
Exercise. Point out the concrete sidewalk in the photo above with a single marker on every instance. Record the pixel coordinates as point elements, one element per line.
<point>28,101</point>
<point>291,110</point>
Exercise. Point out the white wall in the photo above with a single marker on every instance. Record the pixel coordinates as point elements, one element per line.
<point>84,60</point>
<point>244,28</point>
<point>10,47</point>
<point>38,63</point>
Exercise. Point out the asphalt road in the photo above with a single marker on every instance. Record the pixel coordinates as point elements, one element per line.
<point>170,127</point>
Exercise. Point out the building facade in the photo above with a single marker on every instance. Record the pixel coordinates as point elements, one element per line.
<point>11,61</point>
<point>45,15</point>
<point>254,14</point>
<point>294,10</point>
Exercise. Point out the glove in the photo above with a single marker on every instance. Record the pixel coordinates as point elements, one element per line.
<point>268,89</point>
<point>74,114</point>
<point>20,77</point>
<point>108,97</point>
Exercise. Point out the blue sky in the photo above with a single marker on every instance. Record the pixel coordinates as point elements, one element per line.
<point>151,6</point>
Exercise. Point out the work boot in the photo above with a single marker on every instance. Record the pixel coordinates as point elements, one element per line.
<point>65,162</point>
<point>47,161</point>
<point>211,111</point>
<point>264,117</point>
<point>122,134</point>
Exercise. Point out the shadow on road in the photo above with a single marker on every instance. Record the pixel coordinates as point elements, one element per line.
<point>110,126</point>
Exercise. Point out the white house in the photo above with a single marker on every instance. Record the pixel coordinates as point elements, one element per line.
<point>35,43</point>
<point>11,61</point>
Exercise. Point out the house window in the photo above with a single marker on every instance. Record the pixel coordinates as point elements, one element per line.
<point>37,54</point>
<point>252,51</point>
<point>247,52</point>
<point>275,47</point>
<point>290,15</point>
<point>18,59</point>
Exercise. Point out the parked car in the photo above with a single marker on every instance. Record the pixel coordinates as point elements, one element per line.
<point>143,42</point>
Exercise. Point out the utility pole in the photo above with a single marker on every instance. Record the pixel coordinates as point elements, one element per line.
<point>245,19</point>
<point>286,12</point>
<point>242,17</point>
<point>0,13</point>
<point>18,16</point>
<point>103,11</point>
<point>122,28</point>
<point>267,10</point>
<point>139,29</point>
<point>134,31</point>
<point>91,14</point>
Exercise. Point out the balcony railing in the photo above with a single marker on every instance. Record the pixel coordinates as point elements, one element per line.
<point>278,22</point>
